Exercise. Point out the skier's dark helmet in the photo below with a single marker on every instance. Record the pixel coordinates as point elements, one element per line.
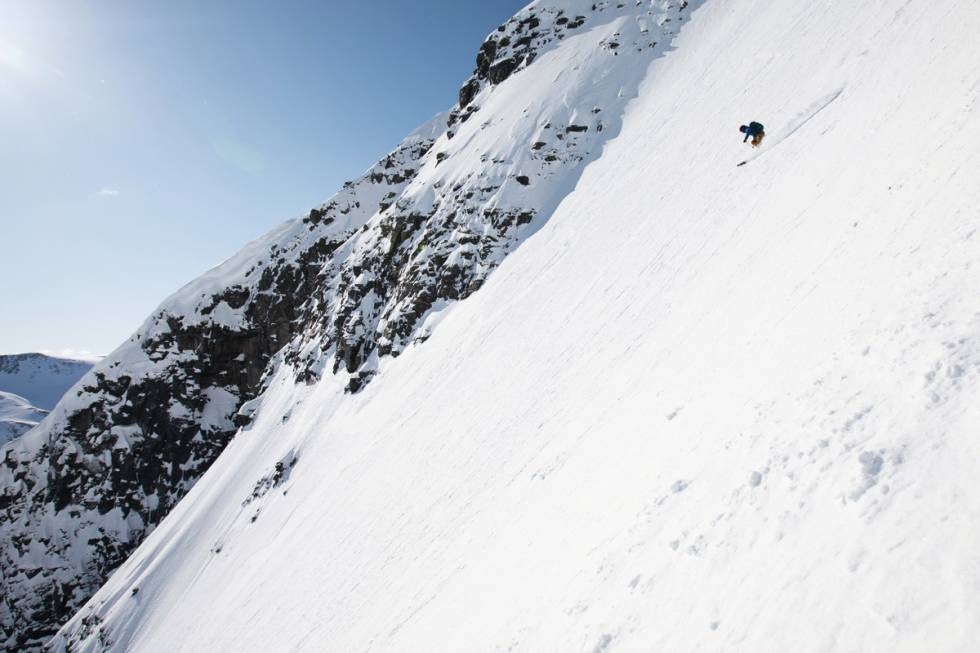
<point>743,128</point>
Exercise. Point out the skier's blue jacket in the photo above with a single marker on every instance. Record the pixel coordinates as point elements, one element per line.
<point>753,129</point>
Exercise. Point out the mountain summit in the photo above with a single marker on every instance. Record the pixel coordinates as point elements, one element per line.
<point>558,374</point>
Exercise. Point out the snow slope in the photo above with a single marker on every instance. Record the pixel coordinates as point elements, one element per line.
<point>30,386</point>
<point>704,407</point>
<point>17,416</point>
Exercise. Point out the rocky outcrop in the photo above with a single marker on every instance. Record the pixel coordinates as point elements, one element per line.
<point>355,280</point>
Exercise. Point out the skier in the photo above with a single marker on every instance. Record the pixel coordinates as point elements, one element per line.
<point>754,130</point>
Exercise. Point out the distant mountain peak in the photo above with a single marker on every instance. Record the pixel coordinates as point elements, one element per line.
<point>32,384</point>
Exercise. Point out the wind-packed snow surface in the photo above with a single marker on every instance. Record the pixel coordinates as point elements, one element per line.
<point>703,407</point>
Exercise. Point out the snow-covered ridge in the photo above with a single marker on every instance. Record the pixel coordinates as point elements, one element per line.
<point>30,386</point>
<point>40,378</point>
<point>17,416</point>
<point>331,294</point>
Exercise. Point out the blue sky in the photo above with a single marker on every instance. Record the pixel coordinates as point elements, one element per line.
<point>144,142</point>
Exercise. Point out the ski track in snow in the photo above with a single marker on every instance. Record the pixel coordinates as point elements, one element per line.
<point>796,123</point>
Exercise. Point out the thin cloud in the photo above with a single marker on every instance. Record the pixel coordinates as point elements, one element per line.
<point>105,192</point>
<point>239,154</point>
<point>75,354</point>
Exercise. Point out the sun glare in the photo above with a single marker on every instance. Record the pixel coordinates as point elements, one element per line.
<point>11,57</point>
<point>26,40</point>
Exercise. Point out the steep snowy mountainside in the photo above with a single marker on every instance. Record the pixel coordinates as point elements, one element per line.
<point>30,386</point>
<point>511,152</point>
<point>331,295</point>
<point>118,452</point>
<point>703,408</point>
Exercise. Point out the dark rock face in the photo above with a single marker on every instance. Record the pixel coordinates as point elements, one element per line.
<point>502,70</point>
<point>468,92</point>
<point>514,46</point>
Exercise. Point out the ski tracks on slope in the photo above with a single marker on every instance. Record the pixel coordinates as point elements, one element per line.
<point>800,119</point>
